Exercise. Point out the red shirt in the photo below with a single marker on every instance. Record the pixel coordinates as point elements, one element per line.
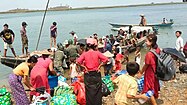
<point>92,59</point>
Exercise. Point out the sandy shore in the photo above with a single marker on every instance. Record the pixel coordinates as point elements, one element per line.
<point>172,92</point>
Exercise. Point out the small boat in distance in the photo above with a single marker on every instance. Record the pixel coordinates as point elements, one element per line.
<point>168,24</point>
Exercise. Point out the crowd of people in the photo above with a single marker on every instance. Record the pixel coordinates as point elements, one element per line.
<point>88,57</point>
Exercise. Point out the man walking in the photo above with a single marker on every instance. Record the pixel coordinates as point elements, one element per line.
<point>179,41</point>
<point>8,37</point>
<point>24,38</point>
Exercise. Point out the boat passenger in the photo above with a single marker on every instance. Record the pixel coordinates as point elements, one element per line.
<point>112,39</point>
<point>8,37</point>
<point>59,57</point>
<point>101,45</point>
<point>24,38</point>
<point>72,51</point>
<point>75,37</point>
<point>15,81</point>
<point>143,21</point>
<point>164,21</point>
<point>110,64</point>
<point>121,32</point>
<point>90,60</point>
<point>53,30</point>
<point>118,48</point>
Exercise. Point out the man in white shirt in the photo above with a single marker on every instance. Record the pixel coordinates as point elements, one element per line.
<point>75,37</point>
<point>179,41</point>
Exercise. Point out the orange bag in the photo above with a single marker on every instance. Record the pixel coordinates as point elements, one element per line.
<point>79,90</point>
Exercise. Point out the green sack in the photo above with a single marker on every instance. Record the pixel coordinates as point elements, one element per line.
<point>108,83</point>
<point>62,90</point>
<point>64,99</point>
<point>5,98</point>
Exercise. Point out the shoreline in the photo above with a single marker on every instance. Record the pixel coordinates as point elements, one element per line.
<point>87,8</point>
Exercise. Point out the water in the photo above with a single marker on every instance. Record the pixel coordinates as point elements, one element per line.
<point>87,22</point>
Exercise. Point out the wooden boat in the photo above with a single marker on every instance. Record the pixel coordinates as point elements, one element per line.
<point>116,25</point>
<point>136,29</point>
<point>12,61</point>
<point>131,48</point>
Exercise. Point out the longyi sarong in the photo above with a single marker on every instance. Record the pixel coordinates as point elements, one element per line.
<point>18,91</point>
<point>93,86</point>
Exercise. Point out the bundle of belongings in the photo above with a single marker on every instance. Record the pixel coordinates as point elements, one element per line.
<point>5,98</point>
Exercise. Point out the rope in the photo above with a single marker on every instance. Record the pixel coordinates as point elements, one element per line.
<point>42,24</point>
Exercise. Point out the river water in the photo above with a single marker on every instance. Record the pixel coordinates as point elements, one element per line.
<point>87,22</point>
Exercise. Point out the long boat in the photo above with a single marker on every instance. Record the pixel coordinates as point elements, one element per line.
<point>132,48</point>
<point>12,62</point>
<point>134,28</point>
<point>117,25</point>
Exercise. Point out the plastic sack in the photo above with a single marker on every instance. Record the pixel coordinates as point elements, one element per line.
<point>62,81</point>
<point>64,99</point>
<point>43,99</point>
<point>106,80</point>
<point>5,98</point>
<point>62,90</point>
<point>79,90</point>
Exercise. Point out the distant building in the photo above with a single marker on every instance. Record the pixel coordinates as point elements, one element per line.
<point>60,7</point>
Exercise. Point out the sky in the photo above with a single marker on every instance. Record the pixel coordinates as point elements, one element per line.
<point>40,4</point>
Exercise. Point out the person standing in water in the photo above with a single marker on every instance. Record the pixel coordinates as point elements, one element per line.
<point>24,38</point>
<point>53,30</point>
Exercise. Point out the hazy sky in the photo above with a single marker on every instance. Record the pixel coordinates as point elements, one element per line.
<point>40,4</point>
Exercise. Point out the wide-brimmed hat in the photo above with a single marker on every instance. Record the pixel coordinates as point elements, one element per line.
<point>72,32</point>
<point>142,15</point>
<point>46,52</point>
<point>116,43</point>
<point>108,54</point>
<point>65,42</point>
<point>101,45</point>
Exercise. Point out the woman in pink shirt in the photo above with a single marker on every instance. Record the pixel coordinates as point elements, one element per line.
<point>92,77</point>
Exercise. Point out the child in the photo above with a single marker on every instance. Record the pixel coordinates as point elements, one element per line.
<point>73,70</point>
<point>127,86</point>
<point>118,63</point>
<point>138,55</point>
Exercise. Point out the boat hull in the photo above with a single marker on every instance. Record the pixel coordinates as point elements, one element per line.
<point>116,25</point>
<point>11,61</point>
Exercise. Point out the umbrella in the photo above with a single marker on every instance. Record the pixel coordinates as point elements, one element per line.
<point>82,41</point>
<point>173,51</point>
